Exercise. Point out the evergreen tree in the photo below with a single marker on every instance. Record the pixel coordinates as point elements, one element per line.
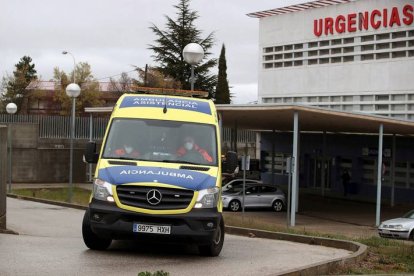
<point>169,45</point>
<point>15,86</point>
<point>222,89</point>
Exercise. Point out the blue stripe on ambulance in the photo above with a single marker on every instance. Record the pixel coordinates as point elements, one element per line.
<point>173,103</point>
<point>192,180</point>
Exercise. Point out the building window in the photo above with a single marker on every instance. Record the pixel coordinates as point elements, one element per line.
<point>335,98</point>
<point>288,47</point>
<point>349,40</point>
<point>367,107</point>
<point>367,57</point>
<point>313,53</point>
<point>336,42</point>
<point>313,61</point>
<point>382,46</point>
<point>382,98</point>
<point>367,38</point>
<point>312,44</point>
<point>324,52</point>
<point>298,46</point>
<point>268,49</point>
<point>369,47</point>
<point>324,43</point>
<point>349,58</point>
<point>399,34</point>
<point>383,36</point>
<point>398,107</point>
<point>298,63</point>
<point>298,55</point>
<point>348,49</point>
<point>268,65</point>
<point>347,98</point>
<point>278,48</point>
<point>336,60</point>
<point>336,51</point>
<point>367,98</point>
<point>381,107</point>
<point>399,44</point>
<point>382,56</point>
<point>288,55</point>
<point>399,54</point>
<point>399,97</point>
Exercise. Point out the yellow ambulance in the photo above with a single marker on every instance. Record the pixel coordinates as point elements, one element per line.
<point>158,174</point>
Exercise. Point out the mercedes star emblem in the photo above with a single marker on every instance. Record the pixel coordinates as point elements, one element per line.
<point>154,197</point>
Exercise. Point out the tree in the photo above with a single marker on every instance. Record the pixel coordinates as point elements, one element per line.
<point>14,87</point>
<point>153,77</point>
<point>169,46</point>
<point>222,89</point>
<point>122,85</point>
<point>89,96</point>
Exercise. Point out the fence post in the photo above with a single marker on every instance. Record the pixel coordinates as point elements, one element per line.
<point>3,174</point>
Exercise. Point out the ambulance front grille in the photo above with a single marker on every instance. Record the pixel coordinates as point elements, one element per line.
<point>137,196</point>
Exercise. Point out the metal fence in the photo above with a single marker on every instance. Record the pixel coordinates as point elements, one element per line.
<point>58,127</point>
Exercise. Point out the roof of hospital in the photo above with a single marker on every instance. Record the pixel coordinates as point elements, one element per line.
<point>297,7</point>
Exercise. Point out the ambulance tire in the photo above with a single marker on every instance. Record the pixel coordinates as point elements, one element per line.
<point>91,240</point>
<point>214,249</point>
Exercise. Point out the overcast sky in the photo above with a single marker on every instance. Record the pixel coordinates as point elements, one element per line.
<point>112,35</point>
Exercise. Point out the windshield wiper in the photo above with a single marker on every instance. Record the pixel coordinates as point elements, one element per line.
<point>179,161</point>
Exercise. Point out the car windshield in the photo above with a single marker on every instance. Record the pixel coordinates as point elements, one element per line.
<point>409,215</point>
<point>161,141</point>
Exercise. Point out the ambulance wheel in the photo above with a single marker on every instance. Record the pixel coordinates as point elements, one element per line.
<point>90,239</point>
<point>214,249</point>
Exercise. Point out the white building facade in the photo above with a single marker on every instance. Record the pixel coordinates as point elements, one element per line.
<point>340,54</point>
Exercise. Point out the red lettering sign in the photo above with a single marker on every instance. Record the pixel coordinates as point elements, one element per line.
<point>317,28</point>
<point>408,14</point>
<point>340,24</point>
<point>395,17</point>
<point>375,24</point>
<point>364,21</point>
<point>329,25</point>
<point>352,22</point>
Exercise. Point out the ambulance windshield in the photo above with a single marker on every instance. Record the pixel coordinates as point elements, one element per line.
<point>162,141</point>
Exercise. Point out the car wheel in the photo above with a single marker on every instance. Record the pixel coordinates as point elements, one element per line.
<point>234,205</point>
<point>214,249</point>
<point>412,235</point>
<point>90,239</point>
<point>277,205</point>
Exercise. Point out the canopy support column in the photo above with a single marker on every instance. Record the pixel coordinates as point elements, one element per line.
<point>295,167</point>
<point>379,174</point>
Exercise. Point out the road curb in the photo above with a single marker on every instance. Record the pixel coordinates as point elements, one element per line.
<point>359,250</point>
<point>41,200</point>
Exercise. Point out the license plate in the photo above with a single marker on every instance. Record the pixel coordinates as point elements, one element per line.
<point>151,228</point>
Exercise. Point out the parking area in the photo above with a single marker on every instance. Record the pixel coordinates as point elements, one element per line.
<point>325,215</point>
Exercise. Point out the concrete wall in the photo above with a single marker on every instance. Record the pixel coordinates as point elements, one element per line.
<point>3,175</point>
<point>36,160</point>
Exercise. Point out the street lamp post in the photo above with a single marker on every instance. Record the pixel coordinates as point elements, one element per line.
<point>193,53</point>
<point>74,63</point>
<point>11,108</point>
<point>72,90</point>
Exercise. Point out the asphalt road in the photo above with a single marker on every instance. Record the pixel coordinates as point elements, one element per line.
<point>50,242</point>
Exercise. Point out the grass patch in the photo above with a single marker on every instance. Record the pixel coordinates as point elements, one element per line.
<point>385,256</point>
<point>79,196</point>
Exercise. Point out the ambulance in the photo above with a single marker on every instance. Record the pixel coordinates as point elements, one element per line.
<point>158,174</point>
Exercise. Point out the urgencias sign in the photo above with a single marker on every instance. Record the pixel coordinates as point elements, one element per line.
<point>396,16</point>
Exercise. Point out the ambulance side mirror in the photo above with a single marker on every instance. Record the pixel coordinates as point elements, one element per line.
<point>91,156</point>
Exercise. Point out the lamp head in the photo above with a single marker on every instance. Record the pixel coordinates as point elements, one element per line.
<point>193,53</point>
<point>73,90</point>
<point>11,108</point>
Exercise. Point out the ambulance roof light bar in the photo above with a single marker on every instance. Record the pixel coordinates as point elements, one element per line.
<point>171,92</point>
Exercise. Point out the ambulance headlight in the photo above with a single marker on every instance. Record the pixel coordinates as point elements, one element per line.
<point>207,198</point>
<point>102,190</point>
